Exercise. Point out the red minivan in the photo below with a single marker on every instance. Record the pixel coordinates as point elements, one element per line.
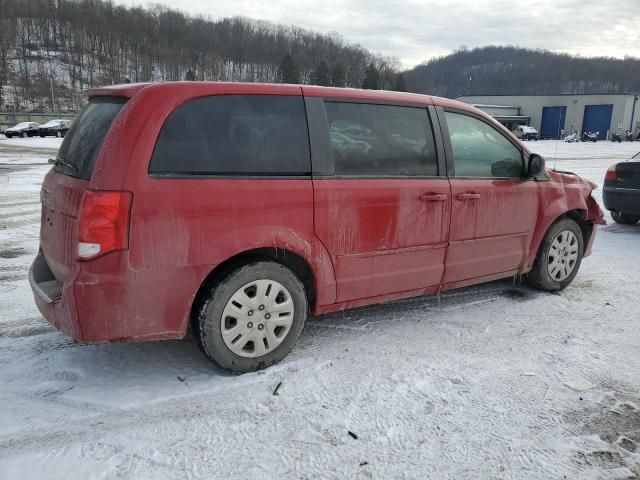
<point>240,209</point>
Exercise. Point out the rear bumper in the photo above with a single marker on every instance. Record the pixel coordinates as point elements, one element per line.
<point>106,301</point>
<point>54,300</point>
<point>624,200</point>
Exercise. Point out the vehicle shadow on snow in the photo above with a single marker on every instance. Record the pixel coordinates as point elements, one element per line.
<point>139,373</point>
<point>469,297</point>
<point>618,228</point>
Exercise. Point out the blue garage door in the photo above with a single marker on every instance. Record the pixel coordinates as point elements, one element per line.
<point>597,118</point>
<point>552,121</point>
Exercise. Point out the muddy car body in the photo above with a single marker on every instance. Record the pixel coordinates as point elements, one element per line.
<point>338,197</point>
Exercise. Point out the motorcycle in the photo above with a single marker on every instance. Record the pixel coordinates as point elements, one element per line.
<point>628,135</point>
<point>616,137</point>
<point>590,136</point>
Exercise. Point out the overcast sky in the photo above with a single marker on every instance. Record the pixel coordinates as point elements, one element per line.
<point>416,30</point>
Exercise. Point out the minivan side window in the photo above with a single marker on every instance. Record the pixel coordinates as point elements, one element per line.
<point>235,135</point>
<point>479,150</point>
<point>381,140</point>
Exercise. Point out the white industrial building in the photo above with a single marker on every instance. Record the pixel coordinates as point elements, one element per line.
<point>551,114</point>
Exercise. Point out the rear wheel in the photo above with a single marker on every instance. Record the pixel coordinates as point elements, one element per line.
<point>8,135</point>
<point>624,219</point>
<point>559,257</point>
<point>251,319</point>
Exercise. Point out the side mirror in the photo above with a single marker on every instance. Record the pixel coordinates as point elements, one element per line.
<point>535,168</point>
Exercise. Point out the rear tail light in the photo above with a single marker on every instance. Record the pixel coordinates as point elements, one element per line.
<point>104,223</point>
<point>611,175</point>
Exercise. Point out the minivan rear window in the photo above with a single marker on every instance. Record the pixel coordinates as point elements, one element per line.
<point>78,152</point>
<point>250,135</point>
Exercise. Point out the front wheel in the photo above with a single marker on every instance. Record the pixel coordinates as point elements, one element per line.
<point>24,135</point>
<point>624,219</point>
<point>559,257</point>
<point>252,318</point>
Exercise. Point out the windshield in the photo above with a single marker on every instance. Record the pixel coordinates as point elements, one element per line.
<point>78,152</point>
<point>22,125</point>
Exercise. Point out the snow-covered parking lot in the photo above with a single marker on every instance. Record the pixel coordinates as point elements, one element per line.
<point>496,381</point>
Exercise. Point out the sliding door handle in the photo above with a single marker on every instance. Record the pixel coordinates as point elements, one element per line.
<point>468,196</point>
<point>433,197</point>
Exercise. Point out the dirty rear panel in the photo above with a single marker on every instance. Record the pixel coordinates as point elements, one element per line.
<point>64,185</point>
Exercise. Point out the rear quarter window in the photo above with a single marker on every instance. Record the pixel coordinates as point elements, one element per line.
<point>81,145</point>
<point>234,135</point>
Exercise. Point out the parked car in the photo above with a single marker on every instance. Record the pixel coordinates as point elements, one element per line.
<point>55,128</point>
<point>23,129</point>
<point>621,191</point>
<point>230,208</point>
<point>525,132</point>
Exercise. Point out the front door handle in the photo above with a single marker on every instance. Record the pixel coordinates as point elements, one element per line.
<point>433,197</point>
<point>468,196</point>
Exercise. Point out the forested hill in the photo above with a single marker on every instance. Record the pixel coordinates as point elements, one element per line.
<point>517,71</point>
<point>70,45</point>
<point>53,50</point>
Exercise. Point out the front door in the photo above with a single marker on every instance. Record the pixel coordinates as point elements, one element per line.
<point>383,209</point>
<point>494,207</point>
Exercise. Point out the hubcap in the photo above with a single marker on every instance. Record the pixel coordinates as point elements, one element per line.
<point>563,255</point>
<point>257,318</point>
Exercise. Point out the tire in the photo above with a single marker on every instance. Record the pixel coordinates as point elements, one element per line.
<point>25,134</point>
<point>624,219</point>
<point>42,135</point>
<point>218,319</point>
<point>8,135</point>
<point>58,134</point>
<point>559,257</point>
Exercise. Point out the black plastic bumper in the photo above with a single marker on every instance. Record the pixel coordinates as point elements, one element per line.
<point>623,200</point>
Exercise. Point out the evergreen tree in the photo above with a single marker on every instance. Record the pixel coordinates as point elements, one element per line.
<point>190,76</point>
<point>371,78</point>
<point>288,71</point>
<point>401,85</point>
<point>322,76</point>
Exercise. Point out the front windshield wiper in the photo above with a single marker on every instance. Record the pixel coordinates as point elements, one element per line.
<point>63,162</point>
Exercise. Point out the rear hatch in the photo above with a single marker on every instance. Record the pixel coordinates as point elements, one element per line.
<point>65,184</point>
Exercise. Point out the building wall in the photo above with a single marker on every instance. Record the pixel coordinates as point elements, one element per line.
<point>532,106</point>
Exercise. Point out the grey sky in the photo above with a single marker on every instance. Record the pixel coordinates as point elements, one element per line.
<point>414,31</point>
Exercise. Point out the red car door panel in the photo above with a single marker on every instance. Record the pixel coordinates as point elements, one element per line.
<point>384,235</point>
<point>381,209</point>
<point>490,232</point>
<point>494,208</point>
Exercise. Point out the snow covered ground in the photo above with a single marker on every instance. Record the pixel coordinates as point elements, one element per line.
<point>497,381</point>
<point>28,151</point>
